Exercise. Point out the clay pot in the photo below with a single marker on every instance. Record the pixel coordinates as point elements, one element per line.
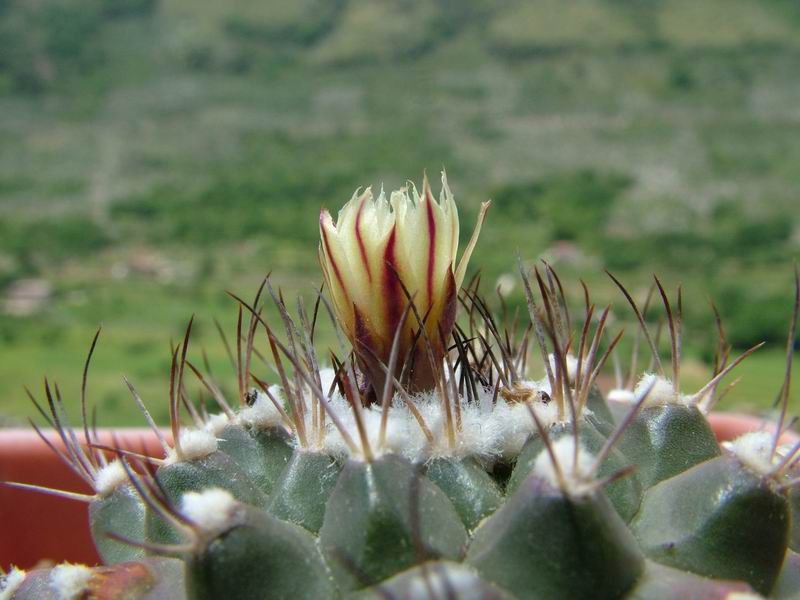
<point>728,426</point>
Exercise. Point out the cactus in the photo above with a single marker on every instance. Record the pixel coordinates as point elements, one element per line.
<point>424,462</point>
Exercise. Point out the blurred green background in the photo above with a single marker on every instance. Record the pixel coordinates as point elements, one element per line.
<point>154,153</point>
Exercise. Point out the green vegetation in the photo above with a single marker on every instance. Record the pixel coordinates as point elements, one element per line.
<point>154,153</point>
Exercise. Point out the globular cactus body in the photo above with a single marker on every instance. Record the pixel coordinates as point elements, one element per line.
<point>425,464</point>
<point>625,494</point>
<point>546,544</point>
<point>666,440</point>
<point>717,519</point>
<point>375,527</point>
<point>285,556</point>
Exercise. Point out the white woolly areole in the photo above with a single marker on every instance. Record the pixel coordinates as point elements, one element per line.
<point>216,423</point>
<point>194,443</point>
<point>661,393</point>
<point>743,596</point>
<point>262,414</point>
<point>212,509</point>
<point>488,432</point>
<point>754,450</point>
<point>109,478</point>
<point>11,582</point>
<point>70,582</point>
<point>622,395</point>
<point>577,475</point>
<point>515,424</point>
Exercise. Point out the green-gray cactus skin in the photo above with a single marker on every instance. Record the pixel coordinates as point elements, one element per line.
<point>122,512</point>
<point>473,492</point>
<point>285,556</point>
<point>546,544</point>
<point>262,455</point>
<point>667,440</point>
<point>717,519</point>
<point>302,491</point>
<point>383,518</point>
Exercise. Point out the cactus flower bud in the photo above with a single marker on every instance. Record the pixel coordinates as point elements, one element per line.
<point>380,252</point>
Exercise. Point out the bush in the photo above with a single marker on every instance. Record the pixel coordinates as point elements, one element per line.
<point>576,205</point>
<point>230,209</point>
<point>736,236</point>
<point>754,315</point>
<point>52,239</point>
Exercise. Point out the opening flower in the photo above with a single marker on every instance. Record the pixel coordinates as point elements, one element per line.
<point>380,254</point>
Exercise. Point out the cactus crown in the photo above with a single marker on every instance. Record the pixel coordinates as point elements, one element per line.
<point>423,461</point>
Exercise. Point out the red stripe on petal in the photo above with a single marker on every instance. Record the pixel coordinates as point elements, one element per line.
<point>447,319</point>
<point>431,245</point>
<point>362,250</point>
<point>363,335</point>
<point>370,357</point>
<point>391,286</point>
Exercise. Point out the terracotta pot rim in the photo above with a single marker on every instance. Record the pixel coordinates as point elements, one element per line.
<point>728,426</point>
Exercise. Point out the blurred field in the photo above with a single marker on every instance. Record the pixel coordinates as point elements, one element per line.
<point>154,153</point>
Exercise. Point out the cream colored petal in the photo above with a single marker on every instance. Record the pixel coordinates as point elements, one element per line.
<point>341,306</point>
<point>346,221</point>
<point>411,240</point>
<point>347,212</point>
<point>445,219</point>
<point>377,227</point>
<point>448,204</point>
<point>344,280</point>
